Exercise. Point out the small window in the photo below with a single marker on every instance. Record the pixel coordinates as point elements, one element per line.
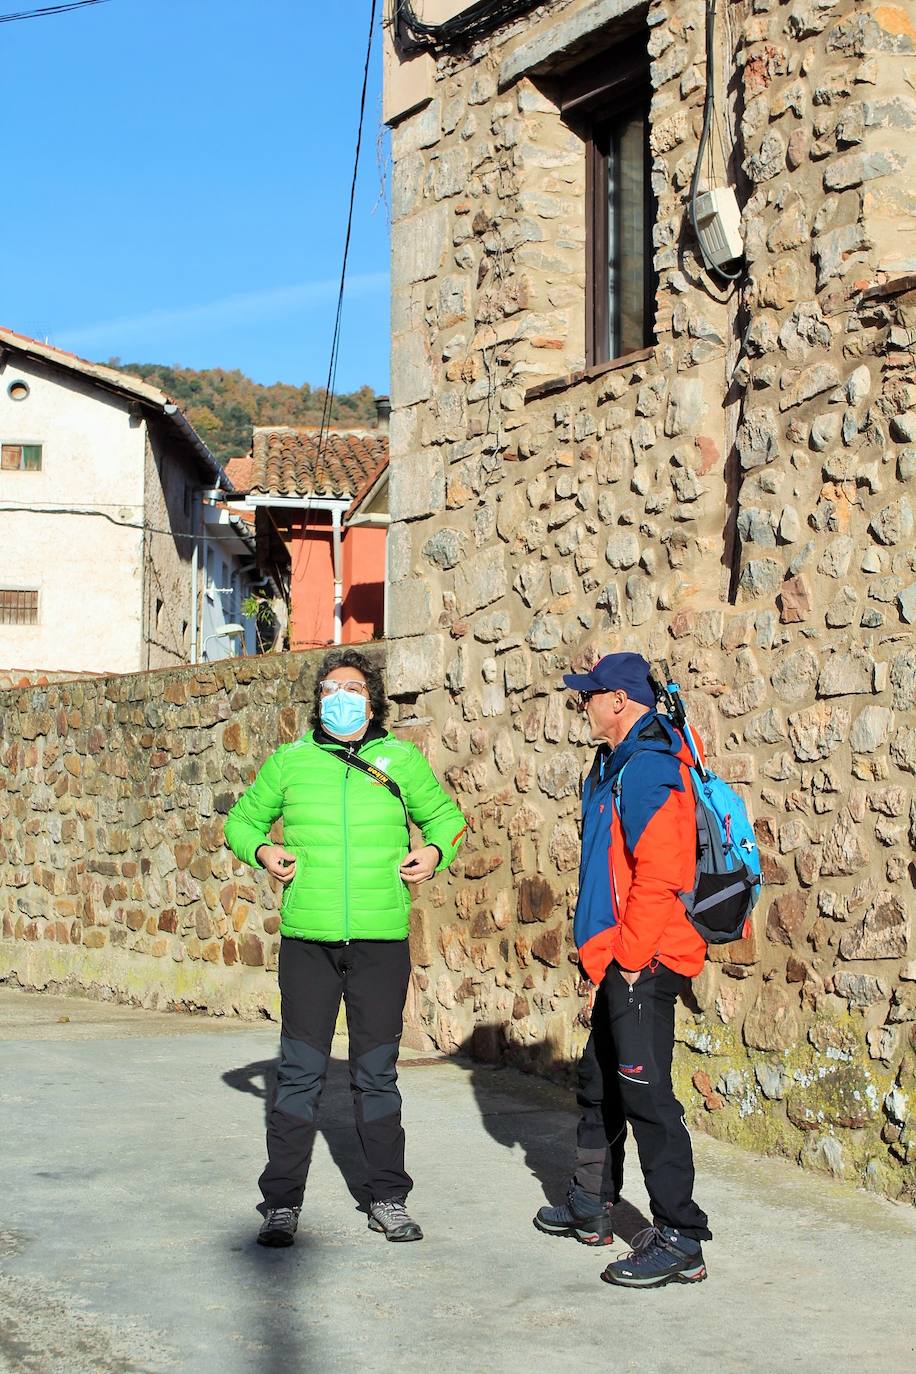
<point>20,457</point>
<point>607,101</point>
<point>18,390</point>
<point>18,607</point>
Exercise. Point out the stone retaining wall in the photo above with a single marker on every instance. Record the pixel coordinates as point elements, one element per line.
<point>113,874</point>
<point>737,499</point>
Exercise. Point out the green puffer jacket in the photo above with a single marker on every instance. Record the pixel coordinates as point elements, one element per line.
<point>348,833</point>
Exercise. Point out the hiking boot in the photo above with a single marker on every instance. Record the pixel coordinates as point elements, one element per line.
<point>279,1226</point>
<point>391,1219</point>
<point>660,1255</point>
<point>580,1216</point>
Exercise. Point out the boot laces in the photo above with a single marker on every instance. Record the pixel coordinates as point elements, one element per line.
<point>646,1240</point>
<point>392,1212</point>
<point>282,1216</point>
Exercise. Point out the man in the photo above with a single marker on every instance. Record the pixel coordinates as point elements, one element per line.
<point>639,847</point>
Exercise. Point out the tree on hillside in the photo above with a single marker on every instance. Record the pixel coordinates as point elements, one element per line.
<point>224,406</point>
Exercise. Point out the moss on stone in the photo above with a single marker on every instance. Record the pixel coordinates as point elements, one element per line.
<point>832,1086</point>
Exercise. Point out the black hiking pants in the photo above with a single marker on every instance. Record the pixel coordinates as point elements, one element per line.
<point>625,1079</point>
<point>372,977</point>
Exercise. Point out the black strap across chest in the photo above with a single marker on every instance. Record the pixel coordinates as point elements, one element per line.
<point>353,760</point>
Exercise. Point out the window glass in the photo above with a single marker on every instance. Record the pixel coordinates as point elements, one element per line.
<point>20,457</point>
<point>621,238</point>
<point>630,315</point>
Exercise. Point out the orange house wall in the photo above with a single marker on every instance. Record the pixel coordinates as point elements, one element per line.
<point>363,583</point>
<point>311,553</point>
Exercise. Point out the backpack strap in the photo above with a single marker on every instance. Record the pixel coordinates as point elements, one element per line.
<point>618,784</point>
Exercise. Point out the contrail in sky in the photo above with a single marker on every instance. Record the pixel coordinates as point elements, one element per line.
<point>274,303</point>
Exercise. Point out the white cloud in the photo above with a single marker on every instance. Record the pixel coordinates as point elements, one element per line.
<point>275,303</point>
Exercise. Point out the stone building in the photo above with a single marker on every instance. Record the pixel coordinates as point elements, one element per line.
<point>598,445</point>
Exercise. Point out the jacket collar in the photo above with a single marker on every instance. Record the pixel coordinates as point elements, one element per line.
<point>653,733</point>
<point>374,731</point>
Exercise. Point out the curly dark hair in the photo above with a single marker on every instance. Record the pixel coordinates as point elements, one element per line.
<point>352,658</point>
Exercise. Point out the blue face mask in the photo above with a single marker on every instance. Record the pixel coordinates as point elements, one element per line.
<point>343,712</point>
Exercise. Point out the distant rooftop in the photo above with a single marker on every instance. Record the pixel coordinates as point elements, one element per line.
<point>286,461</point>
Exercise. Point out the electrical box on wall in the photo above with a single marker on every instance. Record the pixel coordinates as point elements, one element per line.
<point>718,222</point>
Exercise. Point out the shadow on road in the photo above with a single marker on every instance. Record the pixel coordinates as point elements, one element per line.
<point>277,1345</point>
<point>518,1108</point>
<point>335,1118</point>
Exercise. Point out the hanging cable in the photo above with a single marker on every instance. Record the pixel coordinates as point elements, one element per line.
<point>46,10</point>
<point>414,35</point>
<point>335,340</point>
<point>708,115</point>
<point>50,508</point>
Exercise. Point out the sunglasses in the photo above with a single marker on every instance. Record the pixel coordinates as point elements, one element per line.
<point>585,697</point>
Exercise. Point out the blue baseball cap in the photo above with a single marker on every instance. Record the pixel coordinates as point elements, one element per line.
<point>616,673</point>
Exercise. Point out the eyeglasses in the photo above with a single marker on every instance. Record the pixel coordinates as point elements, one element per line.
<point>330,685</point>
<point>585,697</point>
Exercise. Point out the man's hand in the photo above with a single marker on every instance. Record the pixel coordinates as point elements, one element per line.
<point>280,864</point>
<point>630,978</point>
<point>420,864</point>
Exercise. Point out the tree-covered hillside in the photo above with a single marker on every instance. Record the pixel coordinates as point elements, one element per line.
<point>223,406</point>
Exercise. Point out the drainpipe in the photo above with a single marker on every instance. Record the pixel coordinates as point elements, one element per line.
<point>193,620</point>
<point>385,589</point>
<point>338,575</point>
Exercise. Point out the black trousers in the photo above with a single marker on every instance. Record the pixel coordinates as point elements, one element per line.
<point>372,977</point>
<point>625,1079</point>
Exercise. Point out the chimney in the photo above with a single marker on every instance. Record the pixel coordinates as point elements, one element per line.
<point>382,413</point>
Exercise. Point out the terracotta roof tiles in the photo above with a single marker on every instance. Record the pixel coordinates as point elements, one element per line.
<point>286,462</point>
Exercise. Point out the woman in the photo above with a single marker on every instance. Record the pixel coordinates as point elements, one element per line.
<point>345,792</point>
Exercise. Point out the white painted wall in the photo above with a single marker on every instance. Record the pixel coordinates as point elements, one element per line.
<point>224,586</point>
<point>87,569</point>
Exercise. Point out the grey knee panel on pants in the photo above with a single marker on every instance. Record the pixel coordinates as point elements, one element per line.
<point>374,1076</point>
<point>300,1078</point>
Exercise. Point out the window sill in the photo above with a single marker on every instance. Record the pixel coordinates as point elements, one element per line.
<point>587,374</point>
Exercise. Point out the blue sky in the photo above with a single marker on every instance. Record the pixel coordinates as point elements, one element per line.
<point>176,178</point>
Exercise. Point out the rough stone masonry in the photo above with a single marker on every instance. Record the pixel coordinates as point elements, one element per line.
<point>737,499</point>
<point>114,878</point>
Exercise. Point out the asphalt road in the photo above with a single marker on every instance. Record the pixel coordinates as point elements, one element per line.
<point>130,1144</point>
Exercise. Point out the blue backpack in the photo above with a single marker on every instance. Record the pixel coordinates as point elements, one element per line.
<point>728,880</point>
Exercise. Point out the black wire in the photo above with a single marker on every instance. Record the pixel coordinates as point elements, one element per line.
<point>47,10</point>
<point>11,508</point>
<point>475,21</point>
<point>335,341</point>
<point>708,109</point>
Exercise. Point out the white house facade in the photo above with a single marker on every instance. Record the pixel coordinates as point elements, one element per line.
<point>104,555</point>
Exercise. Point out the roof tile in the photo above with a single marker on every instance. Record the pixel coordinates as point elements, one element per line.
<point>291,462</point>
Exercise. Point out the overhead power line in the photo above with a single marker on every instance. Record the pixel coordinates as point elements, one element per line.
<point>335,341</point>
<point>47,10</point>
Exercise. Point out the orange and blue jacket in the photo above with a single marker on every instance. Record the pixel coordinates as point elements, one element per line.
<point>639,851</point>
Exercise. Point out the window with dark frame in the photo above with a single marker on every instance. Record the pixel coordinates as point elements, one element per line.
<point>20,457</point>
<point>18,606</point>
<point>607,102</point>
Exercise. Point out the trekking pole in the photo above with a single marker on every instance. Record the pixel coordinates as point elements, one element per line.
<point>670,693</point>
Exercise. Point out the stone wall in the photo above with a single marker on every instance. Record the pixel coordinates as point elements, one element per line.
<point>114,879</point>
<point>738,499</point>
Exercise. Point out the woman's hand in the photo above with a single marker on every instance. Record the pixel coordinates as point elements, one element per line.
<point>420,864</point>
<point>280,864</point>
